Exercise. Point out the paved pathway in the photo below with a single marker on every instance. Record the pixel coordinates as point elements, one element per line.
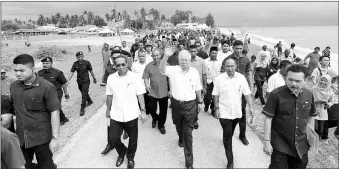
<point>161,151</point>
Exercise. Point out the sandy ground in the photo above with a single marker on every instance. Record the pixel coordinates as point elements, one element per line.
<point>162,151</point>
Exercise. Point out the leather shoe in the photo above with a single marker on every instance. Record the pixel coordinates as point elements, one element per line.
<point>190,167</point>
<point>130,164</point>
<point>107,149</point>
<point>125,135</point>
<point>244,140</point>
<point>181,144</point>
<point>82,112</point>
<point>229,166</point>
<point>89,103</point>
<point>64,121</point>
<point>162,130</point>
<point>154,123</point>
<point>206,109</point>
<point>120,160</point>
<point>196,125</point>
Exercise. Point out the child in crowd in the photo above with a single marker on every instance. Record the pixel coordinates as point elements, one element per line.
<point>323,98</point>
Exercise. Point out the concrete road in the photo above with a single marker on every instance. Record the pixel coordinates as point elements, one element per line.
<point>161,151</point>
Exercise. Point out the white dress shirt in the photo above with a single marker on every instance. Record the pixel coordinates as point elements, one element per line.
<point>221,55</point>
<point>125,90</point>
<point>183,84</point>
<point>275,81</point>
<point>230,91</point>
<point>268,54</point>
<point>139,69</point>
<point>148,57</point>
<point>213,69</point>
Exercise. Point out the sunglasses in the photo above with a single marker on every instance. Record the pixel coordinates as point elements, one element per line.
<point>122,65</point>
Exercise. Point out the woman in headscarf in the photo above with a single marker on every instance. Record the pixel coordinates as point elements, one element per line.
<point>260,74</point>
<point>273,67</point>
<point>323,99</point>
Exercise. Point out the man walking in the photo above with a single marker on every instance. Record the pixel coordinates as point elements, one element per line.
<point>314,60</point>
<point>83,67</point>
<point>244,67</point>
<point>289,109</point>
<point>157,87</point>
<point>228,91</point>
<point>36,107</point>
<point>58,79</point>
<point>186,91</point>
<point>124,90</point>
<point>106,54</point>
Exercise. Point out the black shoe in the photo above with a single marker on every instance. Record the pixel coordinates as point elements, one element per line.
<point>154,123</point>
<point>107,149</point>
<point>190,167</point>
<point>196,125</point>
<point>244,140</point>
<point>162,130</point>
<point>64,121</point>
<point>82,112</point>
<point>213,114</point>
<point>120,160</point>
<point>89,103</point>
<point>181,144</point>
<point>206,108</point>
<point>125,135</point>
<point>230,166</point>
<point>130,164</point>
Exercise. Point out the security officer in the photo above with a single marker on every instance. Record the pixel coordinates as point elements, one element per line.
<point>83,67</point>
<point>58,79</point>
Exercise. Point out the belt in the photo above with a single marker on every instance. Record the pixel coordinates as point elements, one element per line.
<point>184,102</point>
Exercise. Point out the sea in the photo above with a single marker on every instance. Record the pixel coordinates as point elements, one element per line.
<point>306,38</point>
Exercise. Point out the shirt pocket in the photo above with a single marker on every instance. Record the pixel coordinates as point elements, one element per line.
<point>35,104</point>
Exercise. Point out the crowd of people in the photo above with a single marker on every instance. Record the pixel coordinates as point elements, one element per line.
<point>186,71</point>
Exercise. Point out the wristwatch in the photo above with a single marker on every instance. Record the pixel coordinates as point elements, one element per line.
<point>143,110</point>
<point>201,102</point>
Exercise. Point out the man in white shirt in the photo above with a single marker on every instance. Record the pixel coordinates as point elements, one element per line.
<point>186,91</point>
<point>124,90</point>
<point>225,51</point>
<point>141,47</point>
<point>268,53</point>
<point>148,48</point>
<point>228,90</point>
<point>277,79</point>
<point>213,70</point>
<point>124,46</point>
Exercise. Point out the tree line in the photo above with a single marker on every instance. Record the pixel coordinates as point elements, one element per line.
<point>144,19</point>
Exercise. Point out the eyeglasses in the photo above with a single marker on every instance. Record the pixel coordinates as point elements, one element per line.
<point>122,65</point>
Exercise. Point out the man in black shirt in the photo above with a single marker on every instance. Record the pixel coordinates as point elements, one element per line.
<point>83,67</point>
<point>289,111</point>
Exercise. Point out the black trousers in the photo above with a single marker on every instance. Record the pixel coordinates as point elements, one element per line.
<point>84,88</point>
<point>152,109</point>
<point>228,127</point>
<point>242,121</point>
<point>259,92</point>
<point>116,129</point>
<point>62,115</point>
<point>281,160</point>
<point>43,155</point>
<point>184,116</point>
<point>208,100</point>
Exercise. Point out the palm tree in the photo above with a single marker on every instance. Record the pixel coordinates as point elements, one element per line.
<point>41,20</point>
<point>114,14</point>
<point>67,20</point>
<point>58,17</point>
<point>143,16</point>
<point>107,17</point>
<point>162,18</point>
<point>84,22</point>
<point>81,20</point>
<point>90,17</point>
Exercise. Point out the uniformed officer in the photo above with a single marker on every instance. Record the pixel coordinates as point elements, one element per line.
<point>58,79</point>
<point>83,67</point>
<point>36,107</point>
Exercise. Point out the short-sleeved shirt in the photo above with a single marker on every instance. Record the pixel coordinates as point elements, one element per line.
<point>7,108</point>
<point>221,55</point>
<point>11,155</point>
<point>230,91</point>
<point>158,81</point>
<point>200,65</point>
<point>82,69</point>
<point>105,56</point>
<point>243,64</point>
<point>314,61</point>
<point>55,76</point>
<point>213,69</point>
<point>290,114</point>
<point>275,81</point>
<point>124,90</point>
<point>33,105</point>
<point>183,84</point>
<point>5,85</point>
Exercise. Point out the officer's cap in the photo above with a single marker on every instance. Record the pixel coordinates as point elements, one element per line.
<point>47,59</point>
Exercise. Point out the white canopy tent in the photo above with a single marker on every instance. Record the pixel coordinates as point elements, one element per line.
<point>106,32</point>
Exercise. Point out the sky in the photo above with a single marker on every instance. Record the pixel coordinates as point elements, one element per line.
<point>255,14</point>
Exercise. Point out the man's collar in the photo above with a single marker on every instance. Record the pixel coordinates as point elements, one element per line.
<point>36,81</point>
<point>295,94</point>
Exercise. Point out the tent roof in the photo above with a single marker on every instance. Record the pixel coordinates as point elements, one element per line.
<point>127,30</point>
<point>106,31</point>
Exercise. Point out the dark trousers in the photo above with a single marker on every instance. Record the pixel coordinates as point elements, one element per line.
<point>184,116</point>
<point>208,100</point>
<point>43,155</point>
<point>116,129</point>
<point>228,127</point>
<point>259,92</point>
<point>84,88</point>
<point>62,115</point>
<point>242,121</point>
<point>281,160</point>
<point>104,78</point>
<point>152,109</point>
